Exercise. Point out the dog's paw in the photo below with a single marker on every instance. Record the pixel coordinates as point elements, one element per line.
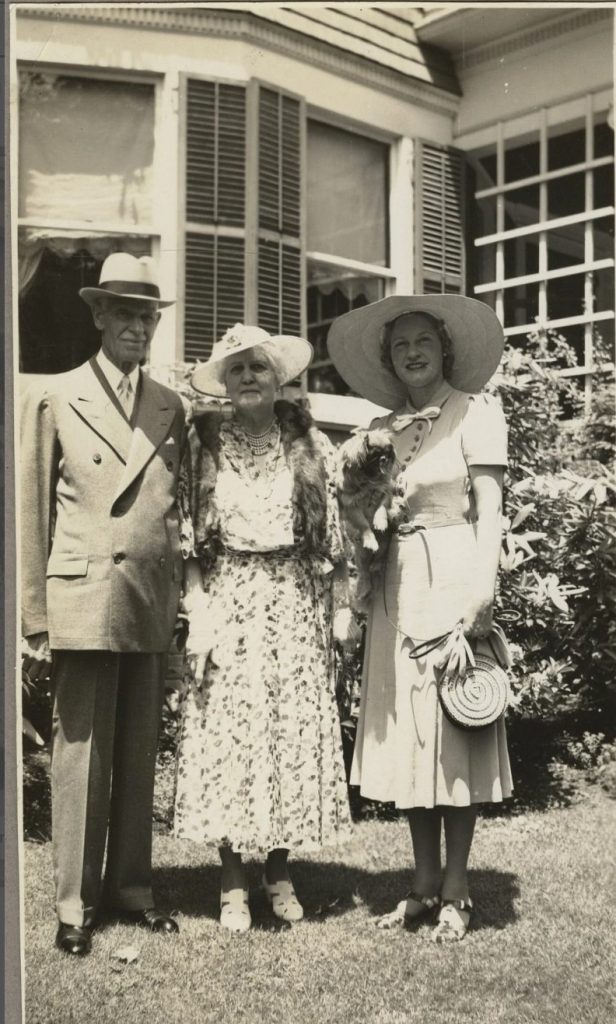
<point>369,541</point>
<point>379,520</point>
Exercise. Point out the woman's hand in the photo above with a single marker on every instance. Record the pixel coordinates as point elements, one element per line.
<point>477,619</point>
<point>456,655</point>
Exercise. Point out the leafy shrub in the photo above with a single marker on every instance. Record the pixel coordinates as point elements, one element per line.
<point>558,563</point>
<point>588,759</point>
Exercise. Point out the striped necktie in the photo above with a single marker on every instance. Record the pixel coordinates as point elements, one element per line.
<point>125,394</point>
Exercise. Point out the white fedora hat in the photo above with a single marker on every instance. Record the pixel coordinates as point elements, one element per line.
<point>354,344</point>
<point>289,355</point>
<point>127,277</point>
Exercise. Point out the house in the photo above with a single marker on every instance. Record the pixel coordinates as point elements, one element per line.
<point>287,163</point>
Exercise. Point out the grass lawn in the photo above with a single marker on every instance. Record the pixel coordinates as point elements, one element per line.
<point>542,951</point>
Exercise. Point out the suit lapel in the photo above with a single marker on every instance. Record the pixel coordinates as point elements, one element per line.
<point>153,418</point>
<point>94,407</point>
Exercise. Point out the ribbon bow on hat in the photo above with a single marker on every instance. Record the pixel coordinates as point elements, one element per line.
<point>404,419</point>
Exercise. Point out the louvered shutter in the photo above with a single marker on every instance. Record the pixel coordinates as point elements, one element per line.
<point>279,242</point>
<point>243,236</point>
<point>215,212</point>
<point>440,191</point>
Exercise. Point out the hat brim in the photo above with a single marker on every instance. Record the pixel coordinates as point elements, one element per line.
<point>90,295</point>
<point>354,344</point>
<point>293,355</point>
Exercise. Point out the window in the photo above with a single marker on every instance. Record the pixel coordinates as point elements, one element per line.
<point>86,157</point>
<point>347,244</point>
<point>242,211</point>
<point>544,230</point>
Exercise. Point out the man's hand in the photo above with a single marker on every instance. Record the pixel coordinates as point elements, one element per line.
<point>36,656</point>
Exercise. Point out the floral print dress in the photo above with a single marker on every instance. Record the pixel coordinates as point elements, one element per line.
<point>260,759</point>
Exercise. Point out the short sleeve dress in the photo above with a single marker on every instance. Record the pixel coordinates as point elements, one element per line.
<point>260,762</point>
<point>406,750</point>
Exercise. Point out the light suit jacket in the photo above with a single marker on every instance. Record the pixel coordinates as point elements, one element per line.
<point>101,562</point>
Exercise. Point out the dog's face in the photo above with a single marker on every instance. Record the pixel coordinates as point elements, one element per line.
<point>371,453</point>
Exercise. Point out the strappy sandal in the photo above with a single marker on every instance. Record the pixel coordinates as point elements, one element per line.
<point>283,900</point>
<point>234,910</point>
<point>451,925</point>
<point>427,913</point>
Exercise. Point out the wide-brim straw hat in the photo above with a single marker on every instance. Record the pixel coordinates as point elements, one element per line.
<point>126,277</point>
<point>354,344</point>
<point>289,356</point>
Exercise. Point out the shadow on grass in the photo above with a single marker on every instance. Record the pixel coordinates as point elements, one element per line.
<point>330,890</point>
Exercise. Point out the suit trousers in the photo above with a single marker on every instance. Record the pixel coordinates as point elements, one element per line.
<point>106,720</point>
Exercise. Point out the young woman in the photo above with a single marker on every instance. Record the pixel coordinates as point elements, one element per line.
<point>426,357</point>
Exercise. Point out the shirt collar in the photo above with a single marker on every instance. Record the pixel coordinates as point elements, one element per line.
<point>438,398</point>
<point>115,375</point>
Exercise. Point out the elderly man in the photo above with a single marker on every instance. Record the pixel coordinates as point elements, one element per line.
<point>101,573</point>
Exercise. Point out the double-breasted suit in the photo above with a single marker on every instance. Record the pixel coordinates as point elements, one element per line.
<point>101,573</point>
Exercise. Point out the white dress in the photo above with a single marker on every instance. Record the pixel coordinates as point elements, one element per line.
<point>406,750</point>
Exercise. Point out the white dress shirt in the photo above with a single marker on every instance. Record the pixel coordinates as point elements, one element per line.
<point>114,378</point>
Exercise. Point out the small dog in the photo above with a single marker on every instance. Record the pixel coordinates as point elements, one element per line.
<point>370,502</point>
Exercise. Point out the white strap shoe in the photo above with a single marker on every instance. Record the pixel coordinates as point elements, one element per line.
<point>285,903</point>
<point>234,910</point>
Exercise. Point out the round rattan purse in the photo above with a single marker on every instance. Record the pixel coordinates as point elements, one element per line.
<point>479,694</point>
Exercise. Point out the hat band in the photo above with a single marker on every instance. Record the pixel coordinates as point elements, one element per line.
<point>151,291</point>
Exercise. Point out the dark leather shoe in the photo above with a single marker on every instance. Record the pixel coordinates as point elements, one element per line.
<point>74,939</point>
<point>155,920</point>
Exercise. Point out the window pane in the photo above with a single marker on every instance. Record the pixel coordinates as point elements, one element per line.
<point>521,161</point>
<point>56,330</point>
<point>603,289</point>
<point>85,149</point>
<point>566,195</point>
<point>347,194</point>
<point>566,148</point>
<point>566,246</point>
<point>603,140</point>
<point>521,305</point>
<point>521,207</point>
<point>333,291</point>
<point>565,296</point>
<point>521,257</point>
<point>603,238</point>
<point>603,185</point>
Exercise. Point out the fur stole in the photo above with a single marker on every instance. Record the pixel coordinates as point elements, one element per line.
<point>305,457</point>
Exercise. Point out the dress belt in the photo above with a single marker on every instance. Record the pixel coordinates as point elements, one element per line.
<point>408,529</point>
<point>289,551</point>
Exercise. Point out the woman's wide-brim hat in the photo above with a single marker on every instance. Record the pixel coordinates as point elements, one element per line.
<point>126,277</point>
<point>354,344</point>
<point>288,355</point>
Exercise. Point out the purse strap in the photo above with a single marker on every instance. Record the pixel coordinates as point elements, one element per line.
<point>495,639</point>
<point>427,646</point>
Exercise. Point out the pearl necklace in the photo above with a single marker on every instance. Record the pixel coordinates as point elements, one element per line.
<point>261,443</point>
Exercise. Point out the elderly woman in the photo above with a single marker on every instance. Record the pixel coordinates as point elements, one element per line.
<point>426,357</point>
<point>260,767</point>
